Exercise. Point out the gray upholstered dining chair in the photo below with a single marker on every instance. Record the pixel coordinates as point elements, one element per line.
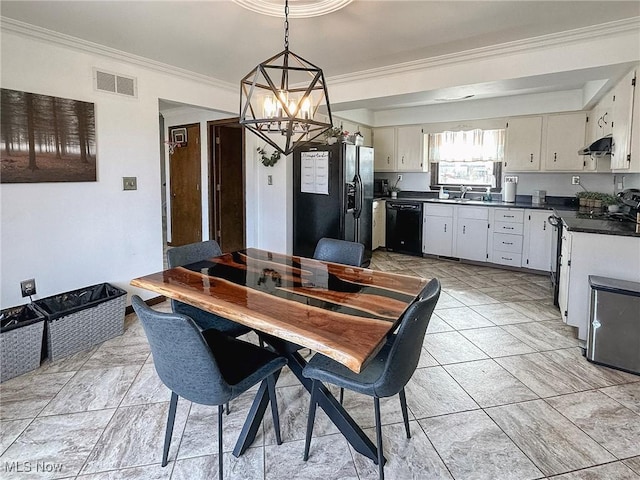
<point>339,251</point>
<point>192,253</point>
<point>205,367</point>
<point>386,374</point>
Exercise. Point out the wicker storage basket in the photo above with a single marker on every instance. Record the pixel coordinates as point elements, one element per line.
<point>80,319</point>
<point>20,340</point>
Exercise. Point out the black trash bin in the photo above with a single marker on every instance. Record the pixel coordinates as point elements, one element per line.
<point>21,331</point>
<point>82,318</point>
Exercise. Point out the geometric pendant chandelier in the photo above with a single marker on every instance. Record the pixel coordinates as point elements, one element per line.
<point>281,97</point>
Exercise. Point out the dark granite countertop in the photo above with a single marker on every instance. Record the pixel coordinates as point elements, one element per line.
<point>522,201</point>
<point>586,223</point>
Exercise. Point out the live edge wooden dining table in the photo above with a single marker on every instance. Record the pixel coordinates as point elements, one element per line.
<point>340,311</point>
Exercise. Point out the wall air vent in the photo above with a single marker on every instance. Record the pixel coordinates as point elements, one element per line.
<point>114,83</point>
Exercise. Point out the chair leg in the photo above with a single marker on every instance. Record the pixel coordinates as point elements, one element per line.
<point>405,415</point>
<point>220,455</point>
<point>376,403</point>
<point>341,395</point>
<point>169,431</point>
<point>271,386</point>
<point>310,420</point>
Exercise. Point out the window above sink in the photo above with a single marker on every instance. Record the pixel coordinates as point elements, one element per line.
<point>471,157</point>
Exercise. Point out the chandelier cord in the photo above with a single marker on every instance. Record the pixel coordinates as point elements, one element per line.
<point>286,25</point>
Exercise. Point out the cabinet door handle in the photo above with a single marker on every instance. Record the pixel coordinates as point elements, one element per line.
<point>507,243</point>
<point>600,122</point>
<point>464,229</point>
<point>544,225</point>
<point>531,159</point>
<point>388,160</point>
<point>506,258</point>
<point>509,216</point>
<point>555,156</point>
<point>445,228</point>
<point>604,117</point>
<point>403,159</point>
<point>508,228</point>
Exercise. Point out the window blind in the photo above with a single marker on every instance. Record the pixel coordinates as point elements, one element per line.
<point>467,146</point>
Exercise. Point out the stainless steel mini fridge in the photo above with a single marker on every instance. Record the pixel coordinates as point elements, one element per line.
<point>614,324</point>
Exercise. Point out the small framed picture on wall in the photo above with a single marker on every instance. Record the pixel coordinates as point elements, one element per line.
<point>179,135</point>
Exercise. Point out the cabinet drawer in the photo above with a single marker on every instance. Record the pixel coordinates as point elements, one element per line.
<point>506,227</point>
<point>438,210</point>
<point>507,243</point>
<point>504,215</point>
<point>479,213</point>
<point>512,259</point>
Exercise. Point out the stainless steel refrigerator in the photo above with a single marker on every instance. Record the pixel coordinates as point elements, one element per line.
<point>333,196</point>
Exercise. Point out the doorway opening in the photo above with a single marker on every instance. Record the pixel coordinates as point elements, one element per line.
<point>207,183</point>
<point>226,164</point>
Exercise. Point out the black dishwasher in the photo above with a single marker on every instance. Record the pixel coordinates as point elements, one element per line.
<point>404,227</point>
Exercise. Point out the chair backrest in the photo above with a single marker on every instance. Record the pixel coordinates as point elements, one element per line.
<point>182,358</point>
<point>339,251</point>
<point>407,344</point>
<point>193,252</point>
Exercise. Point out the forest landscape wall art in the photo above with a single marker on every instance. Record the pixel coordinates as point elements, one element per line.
<point>46,139</point>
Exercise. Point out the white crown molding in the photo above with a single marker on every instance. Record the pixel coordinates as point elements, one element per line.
<point>628,25</point>
<point>44,34</point>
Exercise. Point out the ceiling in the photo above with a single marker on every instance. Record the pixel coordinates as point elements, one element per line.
<point>223,40</point>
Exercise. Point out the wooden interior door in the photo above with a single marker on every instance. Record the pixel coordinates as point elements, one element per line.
<point>229,200</point>
<point>186,198</point>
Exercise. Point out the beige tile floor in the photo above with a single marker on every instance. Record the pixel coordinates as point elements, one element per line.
<point>501,392</point>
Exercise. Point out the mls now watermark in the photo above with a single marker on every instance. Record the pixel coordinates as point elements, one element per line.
<point>31,467</point>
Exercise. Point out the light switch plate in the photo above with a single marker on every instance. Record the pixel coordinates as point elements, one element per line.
<point>129,183</point>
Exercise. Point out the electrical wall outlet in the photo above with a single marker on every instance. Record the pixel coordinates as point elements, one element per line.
<point>575,180</point>
<point>399,178</point>
<point>269,179</point>
<point>129,183</point>
<point>28,287</point>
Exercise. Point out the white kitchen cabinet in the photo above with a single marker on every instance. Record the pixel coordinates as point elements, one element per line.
<point>523,144</point>
<point>506,236</point>
<point>379,224</point>
<point>437,233</point>
<point>471,233</point>
<point>410,149</point>
<point>384,147</point>
<point>600,119</point>
<point>623,96</point>
<point>614,256</point>
<point>565,135</point>
<point>565,274</point>
<point>537,249</point>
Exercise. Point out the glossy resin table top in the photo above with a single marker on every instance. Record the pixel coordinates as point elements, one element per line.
<point>340,311</point>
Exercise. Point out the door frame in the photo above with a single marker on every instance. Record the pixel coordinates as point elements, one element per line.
<point>214,194</point>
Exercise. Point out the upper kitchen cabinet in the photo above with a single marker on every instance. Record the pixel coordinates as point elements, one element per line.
<point>524,139</point>
<point>410,149</point>
<point>353,127</point>
<point>623,106</point>
<point>600,119</point>
<point>565,134</point>
<point>384,149</point>
<point>400,149</point>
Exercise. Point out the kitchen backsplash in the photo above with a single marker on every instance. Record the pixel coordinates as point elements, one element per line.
<point>558,184</point>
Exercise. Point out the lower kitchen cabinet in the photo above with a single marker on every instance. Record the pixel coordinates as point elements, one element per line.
<point>585,254</point>
<point>379,224</point>
<point>471,233</point>
<point>538,238</point>
<point>437,234</point>
<point>507,228</point>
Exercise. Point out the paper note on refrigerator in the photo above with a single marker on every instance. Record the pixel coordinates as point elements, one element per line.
<point>314,172</point>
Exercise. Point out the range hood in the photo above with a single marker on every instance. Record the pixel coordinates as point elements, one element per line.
<point>599,148</point>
